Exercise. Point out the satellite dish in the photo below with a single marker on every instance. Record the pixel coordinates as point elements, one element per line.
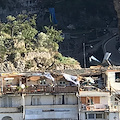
<point>22,86</point>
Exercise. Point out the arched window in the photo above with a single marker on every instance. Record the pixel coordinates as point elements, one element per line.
<point>7,118</point>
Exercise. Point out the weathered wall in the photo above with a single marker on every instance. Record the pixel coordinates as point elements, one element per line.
<point>57,112</point>
<point>69,99</point>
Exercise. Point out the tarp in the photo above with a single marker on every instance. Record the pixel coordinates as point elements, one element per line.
<point>89,79</point>
<point>49,76</point>
<point>36,76</point>
<point>52,15</point>
<point>71,78</point>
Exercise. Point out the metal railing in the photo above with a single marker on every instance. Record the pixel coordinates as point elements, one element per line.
<point>41,89</point>
<point>95,107</point>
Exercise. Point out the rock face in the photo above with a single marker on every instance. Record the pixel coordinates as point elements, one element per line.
<point>117,8</point>
<point>34,61</point>
<point>23,60</point>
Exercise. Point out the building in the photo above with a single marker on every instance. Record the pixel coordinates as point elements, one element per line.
<point>33,96</point>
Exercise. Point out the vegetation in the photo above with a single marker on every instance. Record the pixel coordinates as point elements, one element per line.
<point>65,60</point>
<point>19,36</point>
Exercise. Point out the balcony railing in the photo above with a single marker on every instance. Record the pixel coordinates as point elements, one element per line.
<point>94,107</point>
<point>115,106</point>
<point>41,89</point>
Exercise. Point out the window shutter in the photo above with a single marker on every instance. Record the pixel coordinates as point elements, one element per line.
<point>83,100</point>
<point>96,100</point>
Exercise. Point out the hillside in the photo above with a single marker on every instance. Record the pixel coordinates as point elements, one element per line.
<point>85,19</point>
<point>23,48</point>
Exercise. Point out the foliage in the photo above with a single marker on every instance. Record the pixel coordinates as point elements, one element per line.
<point>18,37</point>
<point>50,39</point>
<point>65,60</point>
<point>29,64</point>
<point>22,24</point>
<point>53,34</point>
<point>3,48</point>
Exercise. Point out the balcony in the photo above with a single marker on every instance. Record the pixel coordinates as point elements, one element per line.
<point>95,107</point>
<point>115,106</point>
<point>40,89</point>
<point>10,109</point>
<point>49,89</point>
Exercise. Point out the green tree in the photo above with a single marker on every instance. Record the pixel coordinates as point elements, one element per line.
<point>9,27</point>
<point>22,24</point>
<point>50,39</point>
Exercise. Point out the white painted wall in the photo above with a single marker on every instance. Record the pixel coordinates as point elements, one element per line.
<point>93,93</point>
<point>60,112</point>
<point>114,116</point>
<point>10,109</point>
<point>111,81</point>
<point>46,100</point>
<point>104,100</point>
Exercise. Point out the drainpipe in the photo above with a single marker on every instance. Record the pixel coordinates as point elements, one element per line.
<point>23,100</point>
<point>2,86</point>
<point>79,104</point>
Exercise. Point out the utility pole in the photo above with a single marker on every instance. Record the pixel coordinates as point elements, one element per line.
<point>84,55</point>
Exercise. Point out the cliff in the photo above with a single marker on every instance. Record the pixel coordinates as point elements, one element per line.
<point>117,8</point>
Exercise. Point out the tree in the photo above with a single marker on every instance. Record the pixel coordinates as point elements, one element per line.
<point>10,24</point>
<point>22,24</point>
<point>50,39</point>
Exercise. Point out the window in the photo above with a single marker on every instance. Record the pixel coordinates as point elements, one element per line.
<point>96,100</point>
<point>90,116</point>
<point>95,116</point>
<point>36,101</point>
<point>43,82</point>
<point>62,82</point>
<point>117,77</point>
<point>59,100</point>
<point>99,116</point>
<point>27,2</point>
<point>63,102</point>
<point>6,102</point>
<point>83,100</point>
<point>90,100</point>
<point>66,100</point>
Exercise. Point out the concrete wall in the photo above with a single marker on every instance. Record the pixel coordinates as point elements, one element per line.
<point>52,111</point>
